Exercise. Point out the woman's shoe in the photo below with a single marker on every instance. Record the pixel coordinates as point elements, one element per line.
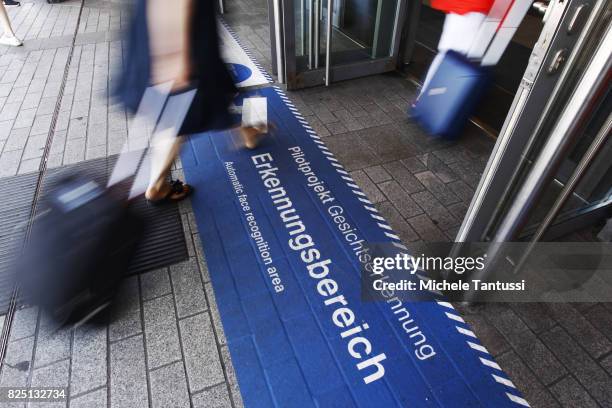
<point>177,191</point>
<point>253,135</point>
<point>11,3</point>
<point>10,40</point>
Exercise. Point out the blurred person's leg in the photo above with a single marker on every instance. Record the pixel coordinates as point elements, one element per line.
<point>164,151</point>
<point>8,37</point>
<point>170,37</point>
<point>459,31</point>
<point>458,34</point>
<point>254,121</point>
<point>168,24</point>
<point>252,135</point>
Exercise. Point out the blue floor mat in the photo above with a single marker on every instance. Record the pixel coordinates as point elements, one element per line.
<point>299,337</point>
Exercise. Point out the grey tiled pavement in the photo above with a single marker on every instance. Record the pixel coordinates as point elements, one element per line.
<point>165,345</point>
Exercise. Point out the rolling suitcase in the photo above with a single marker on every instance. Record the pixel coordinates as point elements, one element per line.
<point>452,95</point>
<point>79,249</point>
<point>460,81</point>
<point>81,246</point>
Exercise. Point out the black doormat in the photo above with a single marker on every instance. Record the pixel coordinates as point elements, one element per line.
<point>16,196</point>
<point>163,243</point>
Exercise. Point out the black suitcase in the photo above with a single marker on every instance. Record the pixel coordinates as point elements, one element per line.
<point>79,250</point>
<point>81,246</point>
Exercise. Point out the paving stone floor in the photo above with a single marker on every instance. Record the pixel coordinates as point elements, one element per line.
<point>165,345</point>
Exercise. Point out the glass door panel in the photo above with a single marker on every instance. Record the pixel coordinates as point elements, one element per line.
<point>591,196</point>
<point>361,29</point>
<point>514,197</point>
<point>359,32</point>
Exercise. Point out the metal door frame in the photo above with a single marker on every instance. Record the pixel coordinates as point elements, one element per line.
<point>285,57</point>
<point>528,118</point>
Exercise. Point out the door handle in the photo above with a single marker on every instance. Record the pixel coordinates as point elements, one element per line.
<point>557,61</point>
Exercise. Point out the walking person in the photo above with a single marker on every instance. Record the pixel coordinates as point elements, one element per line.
<point>461,25</point>
<point>178,41</point>
<point>8,35</point>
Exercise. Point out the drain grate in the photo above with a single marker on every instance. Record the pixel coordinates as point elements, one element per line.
<point>163,243</point>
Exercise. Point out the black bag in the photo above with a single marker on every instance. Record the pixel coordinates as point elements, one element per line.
<point>79,250</point>
<point>82,245</point>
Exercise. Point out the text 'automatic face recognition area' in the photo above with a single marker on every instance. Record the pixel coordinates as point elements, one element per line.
<point>287,235</point>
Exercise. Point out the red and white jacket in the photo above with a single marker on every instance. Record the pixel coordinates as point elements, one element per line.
<point>462,6</point>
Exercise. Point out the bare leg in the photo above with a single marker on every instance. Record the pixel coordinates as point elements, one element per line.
<point>168,25</point>
<point>5,22</point>
<point>254,121</point>
<point>8,38</point>
<point>163,153</point>
<point>251,136</point>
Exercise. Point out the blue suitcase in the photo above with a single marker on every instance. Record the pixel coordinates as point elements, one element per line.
<point>451,96</point>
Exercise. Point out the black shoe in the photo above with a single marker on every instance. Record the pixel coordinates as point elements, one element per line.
<point>11,3</point>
